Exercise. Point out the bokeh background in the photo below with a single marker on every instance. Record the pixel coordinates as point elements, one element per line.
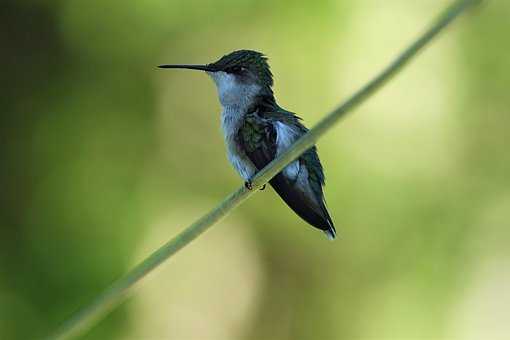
<point>103,158</point>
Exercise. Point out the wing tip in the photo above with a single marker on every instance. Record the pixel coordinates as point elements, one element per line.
<point>330,233</point>
<point>330,230</point>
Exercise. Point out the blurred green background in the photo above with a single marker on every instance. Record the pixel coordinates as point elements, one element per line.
<point>103,158</point>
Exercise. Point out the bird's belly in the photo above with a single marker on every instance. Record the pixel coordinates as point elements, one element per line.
<point>239,160</point>
<point>232,119</point>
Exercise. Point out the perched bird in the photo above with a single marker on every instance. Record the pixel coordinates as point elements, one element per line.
<point>257,130</point>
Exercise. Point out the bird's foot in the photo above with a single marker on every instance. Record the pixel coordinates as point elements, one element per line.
<point>249,185</point>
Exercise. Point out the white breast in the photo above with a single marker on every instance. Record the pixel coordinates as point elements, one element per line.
<point>235,98</point>
<point>231,120</point>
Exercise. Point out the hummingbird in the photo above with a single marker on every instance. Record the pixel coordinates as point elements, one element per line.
<point>257,129</point>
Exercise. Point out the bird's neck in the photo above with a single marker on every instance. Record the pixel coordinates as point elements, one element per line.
<point>237,99</point>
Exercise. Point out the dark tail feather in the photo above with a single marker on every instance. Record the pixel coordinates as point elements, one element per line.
<point>331,231</point>
<point>307,209</point>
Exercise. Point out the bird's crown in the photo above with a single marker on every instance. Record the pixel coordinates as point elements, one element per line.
<point>242,60</point>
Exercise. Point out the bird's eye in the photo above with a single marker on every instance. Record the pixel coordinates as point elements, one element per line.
<point>237,69</point>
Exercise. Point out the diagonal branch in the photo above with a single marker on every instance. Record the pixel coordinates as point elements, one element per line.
<point>121,288</point>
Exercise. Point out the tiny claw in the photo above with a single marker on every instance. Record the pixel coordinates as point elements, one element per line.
<point>248,185</point>
<point>262,187</point>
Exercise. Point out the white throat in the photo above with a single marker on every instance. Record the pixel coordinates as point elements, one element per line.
<point>233,93</point>
<point>236,97</point>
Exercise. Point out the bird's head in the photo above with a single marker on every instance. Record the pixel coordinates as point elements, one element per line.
<point>240,76</point>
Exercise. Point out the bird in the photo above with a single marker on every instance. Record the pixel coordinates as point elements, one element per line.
<point>256,130</point>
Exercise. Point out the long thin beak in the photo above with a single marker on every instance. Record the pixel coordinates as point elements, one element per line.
<point>190,67</point>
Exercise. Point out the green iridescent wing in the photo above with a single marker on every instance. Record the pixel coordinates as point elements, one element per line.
<point>258,138</point>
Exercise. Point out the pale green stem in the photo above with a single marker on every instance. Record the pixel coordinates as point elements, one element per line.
<point>114,294</point>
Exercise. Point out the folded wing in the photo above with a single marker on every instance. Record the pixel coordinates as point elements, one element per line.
<point>303,194</point>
